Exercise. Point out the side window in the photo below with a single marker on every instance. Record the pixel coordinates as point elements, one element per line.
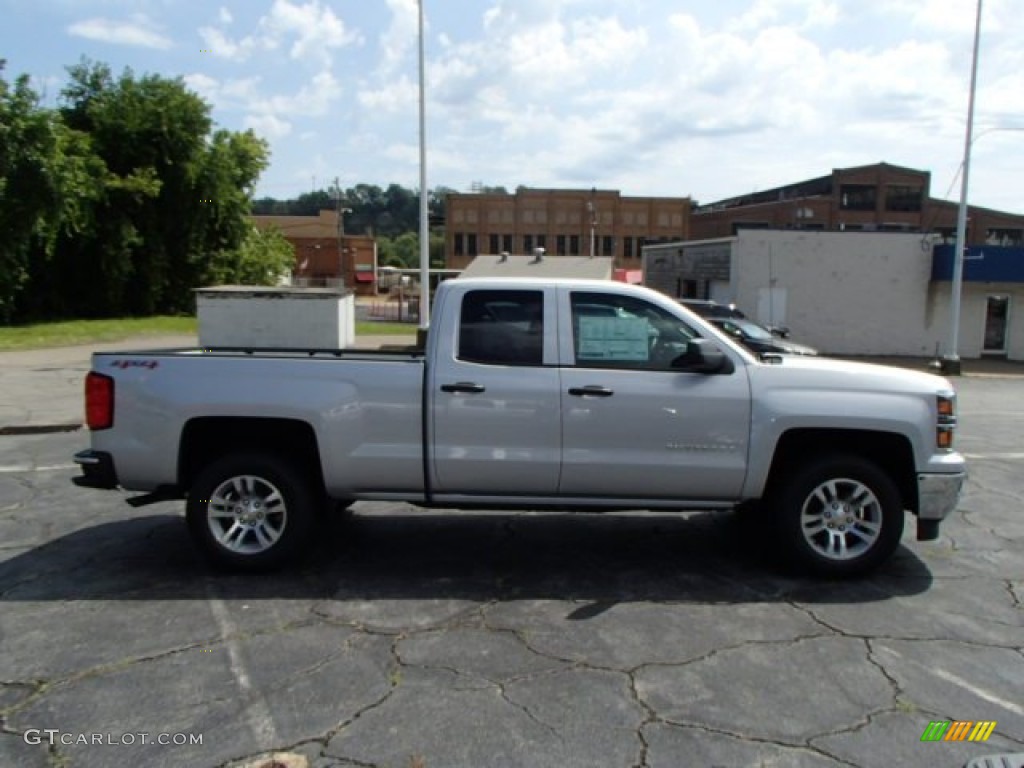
<point>612,331</point>
<point>502,328</point>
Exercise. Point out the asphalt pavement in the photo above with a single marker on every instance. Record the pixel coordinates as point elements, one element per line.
<point>462,639</point>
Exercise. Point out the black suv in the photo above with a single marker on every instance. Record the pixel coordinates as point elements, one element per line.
<point>708,308</point>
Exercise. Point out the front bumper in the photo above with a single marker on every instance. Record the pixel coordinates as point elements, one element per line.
<point>938,495</point>
<point>97,470</point>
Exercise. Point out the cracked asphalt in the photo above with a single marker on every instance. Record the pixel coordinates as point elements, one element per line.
<point>421,639</point>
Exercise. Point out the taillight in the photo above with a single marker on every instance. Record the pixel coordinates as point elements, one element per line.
<point>99,401</point>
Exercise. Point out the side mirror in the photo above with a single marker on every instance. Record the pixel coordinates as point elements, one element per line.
<point>703,356</point>
<point>779,330</point>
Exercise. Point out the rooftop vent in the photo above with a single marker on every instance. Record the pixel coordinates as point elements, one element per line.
<point>538,255</point>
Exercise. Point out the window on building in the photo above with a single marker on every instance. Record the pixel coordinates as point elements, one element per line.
<point>506,243</point>
<point>471,245</point>
<point>627,247</point>
<point>541,241</point>
<point>738,225</point>
<point>492,244</point>
<point>858,197</point>
<point>527,243</point>
<point>608,245</point>
<point>460,247</point>
<point>560,245</point>
<point>574,245</point>
<point>1014,237</point>
<point>899,197</point>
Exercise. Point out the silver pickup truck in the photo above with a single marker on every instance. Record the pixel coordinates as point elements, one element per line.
<point>582,395</point>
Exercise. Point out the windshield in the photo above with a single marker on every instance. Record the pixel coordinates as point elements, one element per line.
<point>748,329</point>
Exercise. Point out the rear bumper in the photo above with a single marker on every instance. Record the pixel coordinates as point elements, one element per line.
<point>97,470</point>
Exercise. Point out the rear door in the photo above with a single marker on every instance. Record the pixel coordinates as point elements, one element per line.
<point>495,396</point>
<point>633,426</point>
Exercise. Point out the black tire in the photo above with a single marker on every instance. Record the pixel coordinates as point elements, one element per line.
<point>251,512</point>
<point>837,516</point>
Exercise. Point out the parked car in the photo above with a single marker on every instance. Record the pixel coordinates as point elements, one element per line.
<point>709,308</point>
<point>758,338</point>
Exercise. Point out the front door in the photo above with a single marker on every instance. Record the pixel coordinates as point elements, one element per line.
<point>632,426</point>
<point>997,314</point>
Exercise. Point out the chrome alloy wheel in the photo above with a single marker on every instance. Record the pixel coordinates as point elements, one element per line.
<point>841,519</point>
<point>246,514</point>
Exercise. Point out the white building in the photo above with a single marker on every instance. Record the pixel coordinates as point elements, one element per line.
<point>853,293</point>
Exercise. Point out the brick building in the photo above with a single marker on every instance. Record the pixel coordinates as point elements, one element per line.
<point>564,222</point>
<point>323,252</point>
<point>870,198</point>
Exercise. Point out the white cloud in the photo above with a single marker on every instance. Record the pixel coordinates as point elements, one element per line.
<point>313,99</point>
<point>313,28</point>
<point>268,125</point>
<point>799,14</point>
<point>138,32</point>
<point>402,33</point>
<point>222,46</point>
<point>204,85</point>
<point>397,96</point>
<point>309,32</point>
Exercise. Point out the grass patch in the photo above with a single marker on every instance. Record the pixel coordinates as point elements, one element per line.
<point>71,333</point>
<point>374,328</point>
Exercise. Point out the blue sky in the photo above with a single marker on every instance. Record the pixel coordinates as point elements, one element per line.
<point>651,97</point>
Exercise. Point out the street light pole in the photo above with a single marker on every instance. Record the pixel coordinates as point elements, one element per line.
<point>424,215</point>
<point>951,362</point>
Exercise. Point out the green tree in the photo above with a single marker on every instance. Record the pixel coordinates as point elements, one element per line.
<point>264,257</point>
<point>28,199</point>
<point>171,215</point>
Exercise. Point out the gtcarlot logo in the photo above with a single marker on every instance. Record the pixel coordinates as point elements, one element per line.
<point>56,737</point>
<point>958,730</point>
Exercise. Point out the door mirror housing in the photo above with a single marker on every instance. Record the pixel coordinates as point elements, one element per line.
<point>703,356</point>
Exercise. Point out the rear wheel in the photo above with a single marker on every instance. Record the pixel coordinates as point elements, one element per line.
<point>251,512</point>
<point>839,516</point>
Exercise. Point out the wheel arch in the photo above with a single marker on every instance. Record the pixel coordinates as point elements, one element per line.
<point>207,439</point>
<point>889,451</point>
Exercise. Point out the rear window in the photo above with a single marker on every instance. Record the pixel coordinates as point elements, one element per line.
<point>502,327</point>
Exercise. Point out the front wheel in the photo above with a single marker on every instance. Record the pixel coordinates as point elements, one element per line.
<point>839,516</point>
<point>251,512</point>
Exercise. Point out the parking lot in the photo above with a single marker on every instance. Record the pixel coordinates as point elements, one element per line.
<point>441,640</point>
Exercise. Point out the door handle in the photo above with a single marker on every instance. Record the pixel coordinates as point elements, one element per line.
<point>591,390</point>
<point>463,386</point>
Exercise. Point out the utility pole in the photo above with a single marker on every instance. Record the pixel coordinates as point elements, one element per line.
<point>341,229</point>
<point>593,224</point>
<point>950,364</point>
<point>424,215</point>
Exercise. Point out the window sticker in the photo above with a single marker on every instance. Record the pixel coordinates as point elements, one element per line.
<point>614,338</point>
